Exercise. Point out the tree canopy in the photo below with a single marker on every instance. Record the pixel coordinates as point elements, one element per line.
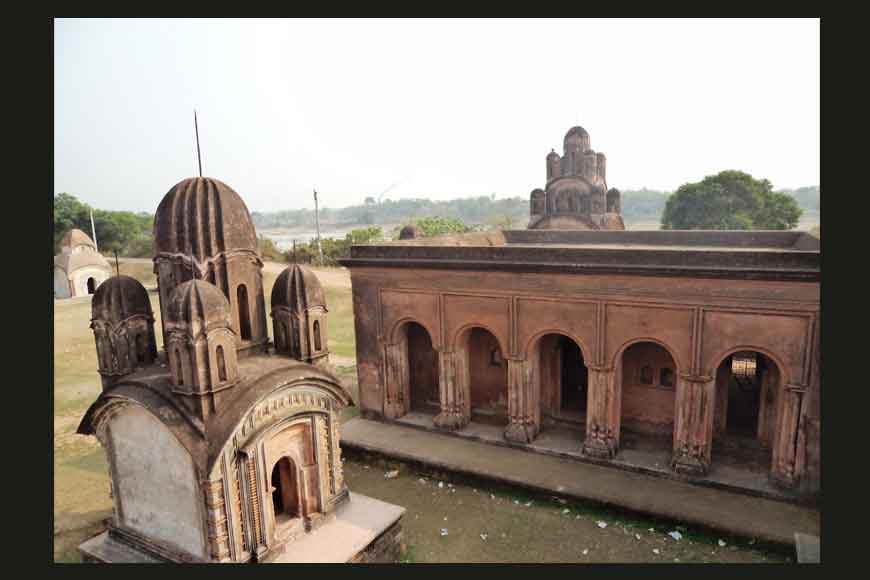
<point>730,200</point>
<point>128,233</point>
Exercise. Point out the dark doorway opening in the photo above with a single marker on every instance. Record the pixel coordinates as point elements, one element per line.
<point>285,497</point>
<point>422,369</point>
<point>92,285</point>
<point>744,394</point>
<point>574,378</point>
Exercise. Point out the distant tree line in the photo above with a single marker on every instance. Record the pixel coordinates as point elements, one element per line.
<point>641,205</point>
<point>731,199</point>
<point>128,233</point>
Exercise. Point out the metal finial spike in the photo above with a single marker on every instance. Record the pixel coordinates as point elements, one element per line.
<point>198,156</point>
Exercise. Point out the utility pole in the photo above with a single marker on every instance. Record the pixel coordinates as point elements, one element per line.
<point>196,128</point>
<point>94,232</point>
<point>117,268</point>
<point>294,252</point>
<point>317,229</point>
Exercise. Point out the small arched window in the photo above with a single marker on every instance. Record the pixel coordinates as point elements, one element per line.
<point>141,349</point>
<point>179,367</point>
<point>317,344</point>
<point>244,312</point>
<point>221,364</point>
<point>646,375</point>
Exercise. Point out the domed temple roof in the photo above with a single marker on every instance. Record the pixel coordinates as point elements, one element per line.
<point>69,262</point>
<point>202,217</point>
<point>578,131</point>
<point>76,237</point>
<point>198,303</point>
<point>409,232</point>
<point>119,298</point>
<point>298,289</point>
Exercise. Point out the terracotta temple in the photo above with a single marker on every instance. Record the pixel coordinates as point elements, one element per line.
<point>693,354</point>
<point>576,196</point>
<point>222,446</point>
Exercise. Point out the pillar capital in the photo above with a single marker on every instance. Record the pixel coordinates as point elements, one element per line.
<point>693,378</point>
<point>796,388</point>
<point>600,368</point>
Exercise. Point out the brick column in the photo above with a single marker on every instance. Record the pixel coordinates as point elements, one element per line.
<point>602,413</point>
<point>693,424</point>
<point>455,406</point>
<point>523,403</point>
<point>395,379</point>
<point>786,469</point>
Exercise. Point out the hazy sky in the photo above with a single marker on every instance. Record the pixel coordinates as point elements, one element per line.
<point>444,108</point>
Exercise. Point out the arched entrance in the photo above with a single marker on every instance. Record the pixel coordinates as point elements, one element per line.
<point>648,378</point>
<point>285,491</point>
<point>487,376</point>
<point>748,387</point>
<point>563,378</point>
<point>92,285</point>
<point>422,370</point>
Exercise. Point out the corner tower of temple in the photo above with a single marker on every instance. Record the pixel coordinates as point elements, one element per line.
<point>203,231</point>
<point>576,194</point>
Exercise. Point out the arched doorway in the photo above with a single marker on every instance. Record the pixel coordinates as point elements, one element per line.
<point>422,369</point>
<point>748,387</point>
<point>92,285</point>
<point>487,376</point>
<point>648,376</point>
<point>563,378</point>
<point>285,491</point>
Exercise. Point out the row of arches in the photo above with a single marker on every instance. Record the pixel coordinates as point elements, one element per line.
<point>747,386</point>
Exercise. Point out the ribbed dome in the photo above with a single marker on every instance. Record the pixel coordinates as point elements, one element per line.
<point>577,139</point>
<point>578,130</point>
<point>119,298</point>
<point>201,217</point>
<point>409,232</point>
<point>76,237</point>
<point>298,289</point>
<point>196,303</point>
<point>69,262</point>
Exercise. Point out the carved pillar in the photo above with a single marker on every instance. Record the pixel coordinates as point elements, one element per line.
<point>523,403</point>
<point>396,378</point>
<point>693,424</point>
<point>602,413</point>
<point>452,387</point>
<point>786,469</point>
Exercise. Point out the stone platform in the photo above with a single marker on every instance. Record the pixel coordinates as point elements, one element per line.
<point>363,530</point>
<point>737,513</point>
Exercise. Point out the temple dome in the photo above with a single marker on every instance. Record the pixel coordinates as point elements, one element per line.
<point>202,217</point>
<point>578,131</point>
<point>76,237</point>
<point>119,298</point>
<point>552,154</point>
<point>69,262</point>
<point>409,232</point>
<point>577,138</point>
<point>297,288</point>
<point>198,303</point>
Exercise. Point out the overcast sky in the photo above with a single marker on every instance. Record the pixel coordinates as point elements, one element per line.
<point>433,108</point>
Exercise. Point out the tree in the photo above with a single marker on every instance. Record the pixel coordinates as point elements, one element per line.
<point>436,226</point>
<point>730,200</point>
